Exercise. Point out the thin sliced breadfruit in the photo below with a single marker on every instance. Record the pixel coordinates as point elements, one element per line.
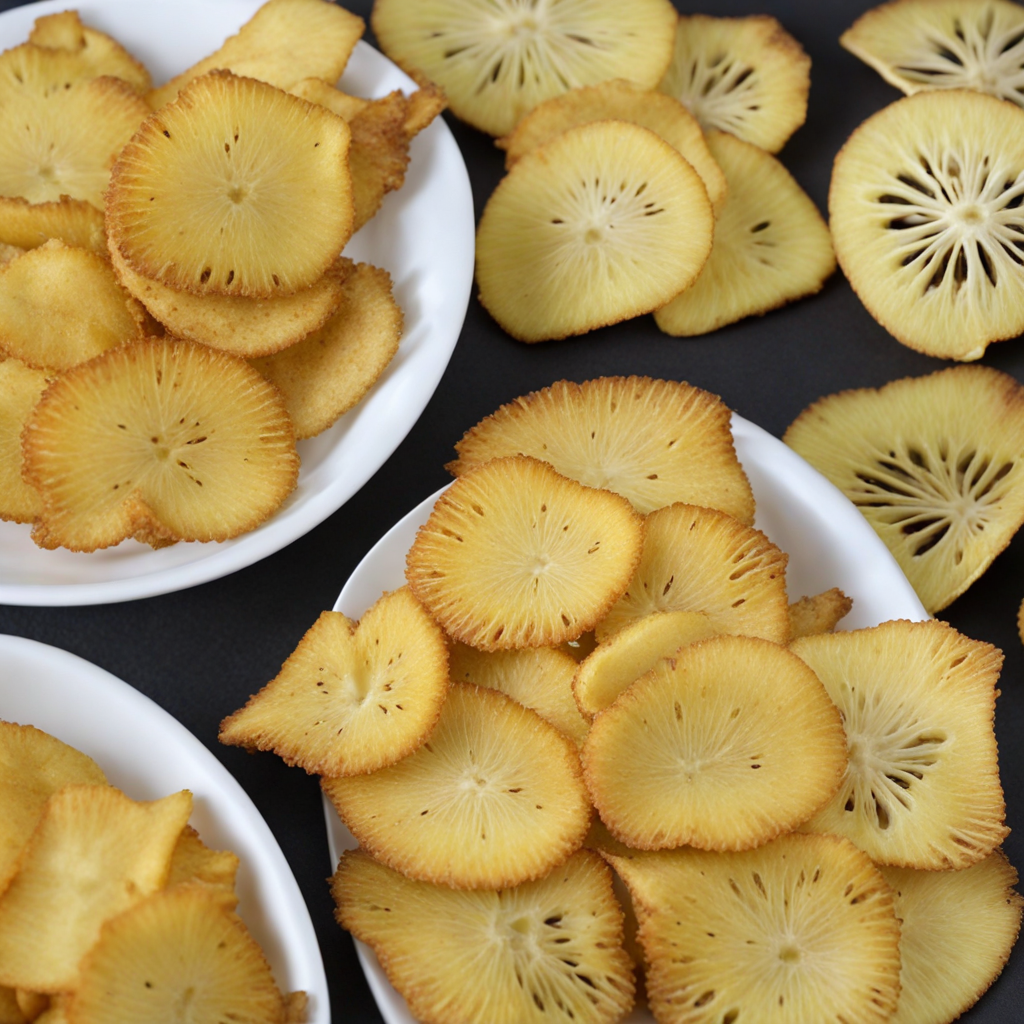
<point>543,950</point>
<point>747,76</point>
<point>493,798</point>
<point>934,465</point>
<point>21,387</point>
<point>819,613</point>
<point>94,854</point>
<point>296,1008</point>
<point>178,956</point>
<point>329,371</point>
<point>956,932</point>
<point>10,1012</point>
<point>922,786</point>
<point>726,745</point>
<point>496,62</point>
<point>620,100</point>
<point>316,90</point>
<point>246,327</point>
<point>57,1013</point>
<point>8,252</point>
<point>699,560</point>
<point>351,698</point>
<point>516,555</point>
<point>771,245</point>
<point>74,221</point>
<point>654,442</point>
<point>282,43</point>
<point>605,222</point>
<point>943,44</point>
<point>926,220</point>
<point>161,440</point>
<point>237,188</point>
<point>799,930</point>
<point>193,861</point>
<point>39,71</point>
<point>31,1004</point>
<point>60,306</point>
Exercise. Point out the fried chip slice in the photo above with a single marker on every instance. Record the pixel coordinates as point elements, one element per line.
<point>31,1004</point>
<point>934,465</point>
<point>492,799</point>
<point>620,100</point>
<point>296,1008</point>
<point>21,387</point>
<point>351,698</point>
<point>178,955</point>
<point>94,854</point>
<point>605,222</point>
<point>654,442</point>
<point>37,71</point>
<point>540,679</point>
<point>8,252</point>
<point>161,439</point>
<point>74,221</point>
<point>515,956</point>
<point>193,861</point>
<point>726,745</point>
<point>316,90</point>
<point>33,766</point>
<point>917,699</point>
<point>612,666</point>
<point>325,374</point>
<point>747,76</point>
<point>516,555</point>
<point>10,1012</point>
<point>819,613</point>
<point>956,932</point>
<point>284,42</point>
<point>771,245</point>
<point>699,560</point>
<point>496,63</point>
<point>799,930</point>
<point>925,232</point>
<point>60,305</point>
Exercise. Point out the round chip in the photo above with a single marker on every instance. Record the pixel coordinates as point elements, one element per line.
<point>605,222</point>
<point>492,799</point>
<point>926,218</point>
<point>39,70</point>
<point>21,387</point>
<point>516,555</point>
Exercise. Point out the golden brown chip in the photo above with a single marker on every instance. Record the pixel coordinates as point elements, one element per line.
<point>10,1012</point>
<point>73,221</point>
<point>818,614</point>
<point>39,71</point>
<point>31,1004</point>
<point>21,387</point>
<point>316,90</point>
<point>8,252</point>
<point>193,861</point>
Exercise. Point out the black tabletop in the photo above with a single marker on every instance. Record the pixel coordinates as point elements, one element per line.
<point>201,652</point>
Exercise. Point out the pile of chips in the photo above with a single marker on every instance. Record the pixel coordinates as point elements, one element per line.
<point>592,624</point>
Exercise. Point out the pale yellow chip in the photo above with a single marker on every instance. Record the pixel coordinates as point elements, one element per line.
<point>74,221</point>
<point>193,861</point>
<point>819,613</point>
<point>316,90</point>
<point>40,71</point>
<point>21,387</point>
<point>8,252</point>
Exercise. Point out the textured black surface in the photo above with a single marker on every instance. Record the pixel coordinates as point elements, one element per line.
<point>201,652</point>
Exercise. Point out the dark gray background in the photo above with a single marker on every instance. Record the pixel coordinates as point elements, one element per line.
<point>201,652</point>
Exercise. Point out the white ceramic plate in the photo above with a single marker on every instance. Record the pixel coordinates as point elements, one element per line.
<point>829,543</point>
<point>423,236</point>
<point>148,754</point>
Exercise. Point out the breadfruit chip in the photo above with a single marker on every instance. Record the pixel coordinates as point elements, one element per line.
<point>926,220</point>
<point>10,1012</point>
<point>31,1004</point>
<point>351,698</point>
<point>160,439</point>
<point>21,387</point>
<point>296,1008</point>
<point>8,252</point>
<point>543,950</point>
<point>179,955</point>
<point>725,746</point>
<point>282,43</point>
<point>799,930</point>
<point>60,305</point>
<point>516,555</point>
<point>622,101</point>
<point>605,222</point>
<point>325,374</point>
<point>73,221</point>
<point>654,442</point>
<point>818,614</point>
<point>540,679</point>
<point>497,62</point>
<point>699,560</point>
<point>956,932</point>
<point>208,194</point>
<point>316,90</point>
<point>493,798</point>
<point>747,76</point>
<point>771,245</point>
<point>37,71</point>
<point>94,854</point>
<point>934,465</point>
<point>193,861</point>
<point>922,785</point>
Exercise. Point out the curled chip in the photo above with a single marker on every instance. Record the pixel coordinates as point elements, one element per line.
<point>818,614</point>
<point>193,861</point>
<point>21,387</point>
<point>747,76</point>
<point>74,221</point>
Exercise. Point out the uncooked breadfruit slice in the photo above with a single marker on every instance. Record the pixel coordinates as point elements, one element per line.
<point>497,60</point>
<point>654,442</point>
<point>605,222</point>
<point>543,951</point>
<point>771,245</point>
<point>21,387</point>
<point>917,698</point>
<point>934,465</point>
<point>799,930</point>
<point>926,218</point>
<point>747,76</point>
<point>74,221</point>
<point>944,44</point>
